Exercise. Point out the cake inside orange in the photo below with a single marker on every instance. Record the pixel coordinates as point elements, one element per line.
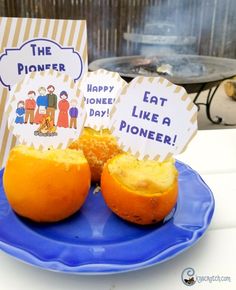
<point>147,177</point>
<point>142,192</point>
<point>48,185</point>
<point>98,147</point>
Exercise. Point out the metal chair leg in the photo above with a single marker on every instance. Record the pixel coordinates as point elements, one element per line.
<point>207,104</point>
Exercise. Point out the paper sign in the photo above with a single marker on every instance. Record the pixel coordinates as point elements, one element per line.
<point>33,45</point>
<point>100,89</point>
<point>38,55</point>
<point>46,110</point>
<point>153,118</point>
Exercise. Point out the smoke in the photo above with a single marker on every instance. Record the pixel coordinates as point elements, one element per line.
<point>168,29</point>
<point>184,27</point>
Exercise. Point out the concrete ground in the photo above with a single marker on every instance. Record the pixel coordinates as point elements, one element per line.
<point>221,106</point>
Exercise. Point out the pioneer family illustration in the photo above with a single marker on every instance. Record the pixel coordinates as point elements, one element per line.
<point>47,110</point>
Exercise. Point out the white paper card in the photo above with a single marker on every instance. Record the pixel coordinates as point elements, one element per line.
<point>46,109</point>
<point>100,89</point>
<point>153,118</point>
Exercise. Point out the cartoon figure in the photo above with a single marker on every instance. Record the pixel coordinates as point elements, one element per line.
<point>30,106</point>
<point>52,103</point>
<point>42,103</point>
<point>63,106</point>
<point>73,114</point>
<point>46,128</point>
<point>20,111</point>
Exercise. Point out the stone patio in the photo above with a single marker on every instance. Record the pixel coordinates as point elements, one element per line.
<point>221,106</point>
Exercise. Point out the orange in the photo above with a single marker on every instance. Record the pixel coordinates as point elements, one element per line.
<point>98,147</point>
<point>142,192</point>
<point>46,186</point>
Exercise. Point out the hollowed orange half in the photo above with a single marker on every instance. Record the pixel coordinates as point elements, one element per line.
<point>142,192</point>
<point>46,186</point>
<point>98,147</point>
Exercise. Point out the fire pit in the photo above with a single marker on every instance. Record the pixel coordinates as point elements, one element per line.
<point>194,72</point>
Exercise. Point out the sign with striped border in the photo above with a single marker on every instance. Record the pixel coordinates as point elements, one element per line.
<point>100,89</point>
<point>46,109</point>
<point>153,118</point>
<point>28,45</point>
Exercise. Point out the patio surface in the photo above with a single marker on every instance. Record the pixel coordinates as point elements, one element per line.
<point>222,106</point>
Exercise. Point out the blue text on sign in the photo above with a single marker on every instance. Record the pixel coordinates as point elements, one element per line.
<point>41,50</point>
<point>93,88</point>
<point>153,99</point>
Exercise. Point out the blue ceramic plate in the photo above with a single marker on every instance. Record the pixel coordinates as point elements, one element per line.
<point>96,241</point>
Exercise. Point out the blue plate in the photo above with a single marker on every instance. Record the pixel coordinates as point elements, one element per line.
<point>96,241</point>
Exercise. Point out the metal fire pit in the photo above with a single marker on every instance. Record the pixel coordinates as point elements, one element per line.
<point>194,72</point>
